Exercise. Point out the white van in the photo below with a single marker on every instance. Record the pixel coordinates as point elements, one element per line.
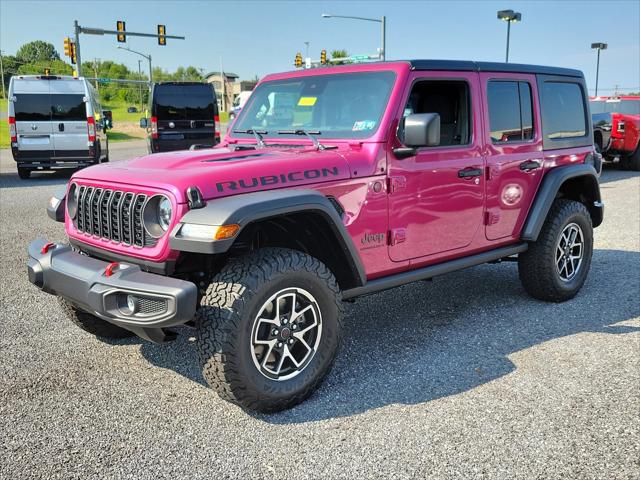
<point>55,122</point>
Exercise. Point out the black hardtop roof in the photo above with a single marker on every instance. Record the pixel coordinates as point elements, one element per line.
<point>464,65</point>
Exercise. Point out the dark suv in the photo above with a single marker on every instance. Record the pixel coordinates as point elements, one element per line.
<point>183,114</point>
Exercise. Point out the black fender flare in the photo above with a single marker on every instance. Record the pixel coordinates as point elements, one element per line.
<point>551,184</point>
<point>251,207</point>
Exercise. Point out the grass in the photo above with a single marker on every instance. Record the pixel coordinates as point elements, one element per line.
<point>121,136</point>
<point>4,134</point>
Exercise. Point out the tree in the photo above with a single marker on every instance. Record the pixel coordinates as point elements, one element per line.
<point>37,51</point>
<point>338,54</point>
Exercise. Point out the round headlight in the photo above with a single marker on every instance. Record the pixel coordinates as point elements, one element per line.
<point>72,200</point>
<point>164,213</point>
<point>157,215</point>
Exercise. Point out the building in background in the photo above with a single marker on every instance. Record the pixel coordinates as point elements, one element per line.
<point>232,88</point>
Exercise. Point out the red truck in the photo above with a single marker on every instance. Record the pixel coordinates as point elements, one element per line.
<point>333,183</point>
<point>616,129</point>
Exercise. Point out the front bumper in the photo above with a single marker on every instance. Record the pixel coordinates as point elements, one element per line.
<point>158,301</point>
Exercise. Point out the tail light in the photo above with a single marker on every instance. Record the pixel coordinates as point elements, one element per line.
<point>617,126</point>
<point>216,122</point>
<point>154,127</point>
<point>12,130</point>
<point>91,129</point>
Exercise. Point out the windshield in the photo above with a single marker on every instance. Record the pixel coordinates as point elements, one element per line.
<point>346,105</point>
<point>627,107</point>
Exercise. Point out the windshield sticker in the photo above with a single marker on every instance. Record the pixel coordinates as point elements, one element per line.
<point>307,101</point>
<point>363,125</point>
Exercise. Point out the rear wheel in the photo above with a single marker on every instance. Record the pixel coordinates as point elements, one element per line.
<point>24,173</point>
<point>632,162</point>
<point>92,324</point>
<point>555,266</point>
<point>269,327</point>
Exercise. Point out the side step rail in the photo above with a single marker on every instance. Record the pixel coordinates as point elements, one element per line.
<point>431,271</point>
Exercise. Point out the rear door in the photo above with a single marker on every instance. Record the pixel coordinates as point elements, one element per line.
<point>32,107</point>
<point>69,118</point>
<point>514,150</point>
<point>185,115</point>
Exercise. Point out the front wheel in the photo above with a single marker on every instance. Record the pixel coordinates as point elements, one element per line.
<point>24,173</point>
<point>92,324</point>
<point>269,327</point>
<point>555,266</point>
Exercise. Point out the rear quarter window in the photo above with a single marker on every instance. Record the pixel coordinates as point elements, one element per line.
<point>565,113</point>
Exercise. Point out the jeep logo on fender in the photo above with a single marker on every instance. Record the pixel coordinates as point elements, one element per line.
<point>267,180</point>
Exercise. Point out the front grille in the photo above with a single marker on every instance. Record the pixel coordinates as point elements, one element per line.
<point>112,214</point>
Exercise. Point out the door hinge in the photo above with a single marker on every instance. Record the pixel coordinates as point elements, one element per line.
<point>396,183</point>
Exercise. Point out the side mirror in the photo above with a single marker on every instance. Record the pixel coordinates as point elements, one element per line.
<point>107,119</point>
<point>422,130</point>
<point>418,130</point>
<point>144,123</point>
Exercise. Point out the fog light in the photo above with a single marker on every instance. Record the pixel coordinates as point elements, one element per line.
<point>132,304</point>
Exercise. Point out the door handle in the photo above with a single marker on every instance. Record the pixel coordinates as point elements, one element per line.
<point>529,165</point>
<point>61,127</point>
<point>469,172</point>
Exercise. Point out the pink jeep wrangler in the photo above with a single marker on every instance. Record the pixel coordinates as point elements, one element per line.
<point>332,183</point>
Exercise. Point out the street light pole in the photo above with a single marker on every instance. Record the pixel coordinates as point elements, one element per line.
<point>598,46</point>
<point>148,57</point>
<point>510,17</point>
<point>382,21</point>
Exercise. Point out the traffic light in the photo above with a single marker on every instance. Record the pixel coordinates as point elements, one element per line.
<point>47,71</point>
<point>162,40</point>
<point>323,57</point>
<point>73,53</point>
<point>122,38</point>
<point>67,46</point>
<point>298,61</point>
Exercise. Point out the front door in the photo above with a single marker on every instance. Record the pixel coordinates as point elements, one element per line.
<point>436,198</point>
<point>514,150</point>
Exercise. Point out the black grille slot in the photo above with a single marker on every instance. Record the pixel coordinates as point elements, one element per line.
<point>113,215</point>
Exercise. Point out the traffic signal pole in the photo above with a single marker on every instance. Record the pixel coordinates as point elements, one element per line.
<point>100,31</point>
<point>76,34</point>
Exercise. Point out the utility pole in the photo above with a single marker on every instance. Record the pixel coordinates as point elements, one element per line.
<point>140,89</point>
<point>95,72</point>
<point>4,94</point>
<point>223,103</point>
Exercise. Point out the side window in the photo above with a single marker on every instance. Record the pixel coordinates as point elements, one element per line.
<point>564,110</point>
<point>450,99</point>
<point>510,111</point>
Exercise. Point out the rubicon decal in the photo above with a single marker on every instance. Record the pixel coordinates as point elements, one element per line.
<point>270,180</point>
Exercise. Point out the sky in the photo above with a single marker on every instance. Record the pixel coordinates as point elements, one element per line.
<point>253,38</point>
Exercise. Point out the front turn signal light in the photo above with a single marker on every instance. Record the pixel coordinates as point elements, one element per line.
<point>226,231</point>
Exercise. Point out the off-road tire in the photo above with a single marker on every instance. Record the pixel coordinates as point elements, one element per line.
<point>225,319</point>
<point>536,266</point>
<point>92,324</point>
<point>632,162</point>
<point>24,173</point>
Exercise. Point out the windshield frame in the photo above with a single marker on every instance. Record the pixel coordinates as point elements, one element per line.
<point>322,137</point>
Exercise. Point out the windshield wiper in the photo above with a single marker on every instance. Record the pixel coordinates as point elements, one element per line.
<point>256,133</point>
<point>307,133</point>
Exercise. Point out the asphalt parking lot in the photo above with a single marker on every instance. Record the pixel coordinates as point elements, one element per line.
<point>465,376</point>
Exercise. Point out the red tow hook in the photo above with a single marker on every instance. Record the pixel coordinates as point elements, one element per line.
<point>47,246</point>
<point>111,268</point>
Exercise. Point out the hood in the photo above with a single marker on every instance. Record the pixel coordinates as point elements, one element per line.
<point>224,171</point>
